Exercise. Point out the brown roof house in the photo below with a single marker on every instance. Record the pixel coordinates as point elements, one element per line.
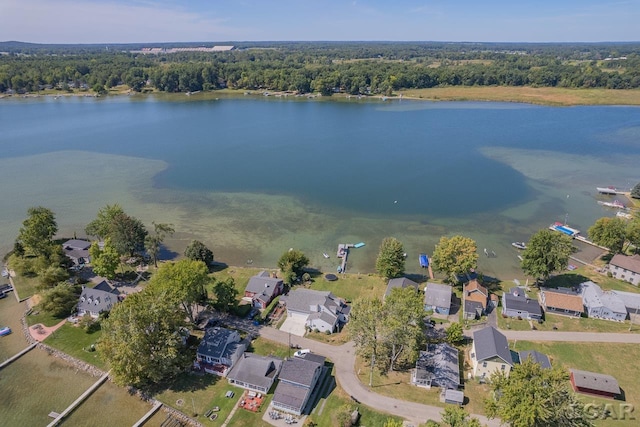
<point>594,384</point>
<point>474,300</point>
<point>626,268</point>
<point>563,301</point>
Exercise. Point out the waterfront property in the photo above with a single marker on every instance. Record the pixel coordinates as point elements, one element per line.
<point>319,310</point>
<point>262,289</point>
<point>437,297</point>
<point>94,301</point>
<point>563,301</point>
<point>474,300</point>
<point>490,353</point>
<point>77,250</point>
<point>601,304</point>
<point>595,384</point>
<point>219,350</point>
<point>437,367</point>
<point>298,379</point>
<point>626,268</point>
<point>401,283</point>
<point>516,303</point>
<point>255,372</point>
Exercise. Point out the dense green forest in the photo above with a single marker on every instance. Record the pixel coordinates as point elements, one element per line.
<point>325,67</point>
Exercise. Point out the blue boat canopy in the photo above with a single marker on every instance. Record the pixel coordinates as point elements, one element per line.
<point>358,245</point>
<point>424,260</point>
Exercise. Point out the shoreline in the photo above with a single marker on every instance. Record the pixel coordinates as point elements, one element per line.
<point>547,96</point>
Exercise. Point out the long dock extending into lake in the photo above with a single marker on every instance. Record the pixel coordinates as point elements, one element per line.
<point>17,356</point>
<point>78,401</point>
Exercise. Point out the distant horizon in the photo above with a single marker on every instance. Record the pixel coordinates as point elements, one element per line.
<point>147,21</point>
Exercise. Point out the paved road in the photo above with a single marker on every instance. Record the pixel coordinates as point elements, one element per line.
<point>344,360</point>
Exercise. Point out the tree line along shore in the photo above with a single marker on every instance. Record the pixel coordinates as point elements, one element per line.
<point>535,73</point>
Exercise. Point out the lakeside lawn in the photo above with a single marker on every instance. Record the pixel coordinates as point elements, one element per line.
<point>25,286</point>
<point>617,360</point>
<point>74,341</point>
<point>567,324</point>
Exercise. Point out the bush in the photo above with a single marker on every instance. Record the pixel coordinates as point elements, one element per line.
<point>327,332</point>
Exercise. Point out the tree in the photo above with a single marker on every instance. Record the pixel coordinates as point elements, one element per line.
<point>226,295</point>
<point>101,226</point>
<point>546,252</point>
<point>51,276</point>
<point>37,231</point>
<point>455,256</point>
<point>455,416</point>
<point>153,242</point>
<point>403,325</point>
<point>127,233</point>
<point>197,251</point>
<point>343,415</point>
<point>633,232</point>
<point>60,300</point>
<point>635,191</point>
<point>390,261</point>
<point>365,327</point>
<point>609,232</point>
<point>455,334</point>
<point>142,341</point>
<point>532,396</point>
<point>104,261</point>
<point>292,264</point>
<point>183,282</point>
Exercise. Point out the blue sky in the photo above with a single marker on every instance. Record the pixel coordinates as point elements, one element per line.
<point>148,21</point>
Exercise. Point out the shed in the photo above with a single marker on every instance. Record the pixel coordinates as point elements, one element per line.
<point>593,383</point>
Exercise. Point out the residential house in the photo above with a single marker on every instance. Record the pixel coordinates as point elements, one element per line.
<point>219,350</point>
<point>536,357</point>
<point>594,384</point>
<point>298,379</point>
<point>490,353</point>
<point>77,250</point>
<point>400,282</point>
<point>320,310</point>
<point>516,303</point>
<point>601,304</point>
<point>563,301</point>
<point>437,367</point>
<point>254,372</point>
<point>626,268</point>
<point>94,301</point>
<point>262,289</point>
<point>631,301</point>
<point>437,297</point>
<point>474,299</point>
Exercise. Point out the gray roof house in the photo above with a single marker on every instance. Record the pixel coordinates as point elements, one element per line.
<point>490,352</point>
<point>219,350</point>
<point>254,372</point>
<point>437,297</point>
<point>77,250</point>
<point>536,357</point>
<point>320,309</point>
<point>94,301</point>
<point>262,289</point>
<point>631,301</point>
<point>437,367</point>
<point>515,303</point>
<point>601,304</point>
<point>400,282</point>
<point>626,268</point>
<point>297,380</point>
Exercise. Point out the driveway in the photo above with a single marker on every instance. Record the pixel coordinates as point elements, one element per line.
<point>294,326</point>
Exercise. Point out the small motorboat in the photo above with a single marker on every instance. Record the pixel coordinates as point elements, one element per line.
<point>5,331</point>
<point>519,245</point>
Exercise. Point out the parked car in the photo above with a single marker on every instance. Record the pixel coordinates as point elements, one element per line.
<point>301,353</point>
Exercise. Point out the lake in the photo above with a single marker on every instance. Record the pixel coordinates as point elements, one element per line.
<point>253,176</point>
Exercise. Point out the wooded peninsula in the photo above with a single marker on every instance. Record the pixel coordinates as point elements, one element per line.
<point>351,68</point>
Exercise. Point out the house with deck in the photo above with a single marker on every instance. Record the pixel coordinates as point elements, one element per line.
<point>262,289</point>
<point>297,381</point>
<point>219,350</point>
<point>320,310</point>
<point>626,268</point>
<point>516,303</point>
<point>93,301</point>
<point>564,301</point>
<point>594,384</point>
<point>490,353</point>
<point>474,300</point>
<point>400,282</point>
<point>437,367</point>
<point>437,298</point>
<point>601,304</point>
<point>254,372</point>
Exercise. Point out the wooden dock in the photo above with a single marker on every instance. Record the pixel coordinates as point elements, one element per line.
<point>78,401</point>
<point>148,415</point>
<point>17,356</point>
<point>343,253</point>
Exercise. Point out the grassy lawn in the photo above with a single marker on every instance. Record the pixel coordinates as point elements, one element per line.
<point>352,286</point>
<point>563,323</point>
<point>74,340</point>
<point>598,358</point>
<point>337,338</point>
<point>268,348</point>
<point>543,96</point>
<point>583,274</point>
<point>25,286</point>
<point>43,317</point>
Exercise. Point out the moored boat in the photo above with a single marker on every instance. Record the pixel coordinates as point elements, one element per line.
<point>519,245</point>
<point>326,255</point>
<point>615,204</point>
<point>5,331</point>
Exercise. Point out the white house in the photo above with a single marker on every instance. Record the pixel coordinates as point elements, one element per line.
<point>601,304</point>
<point>626,268</point>
<point>320,310</point>
<point>490,353</point>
